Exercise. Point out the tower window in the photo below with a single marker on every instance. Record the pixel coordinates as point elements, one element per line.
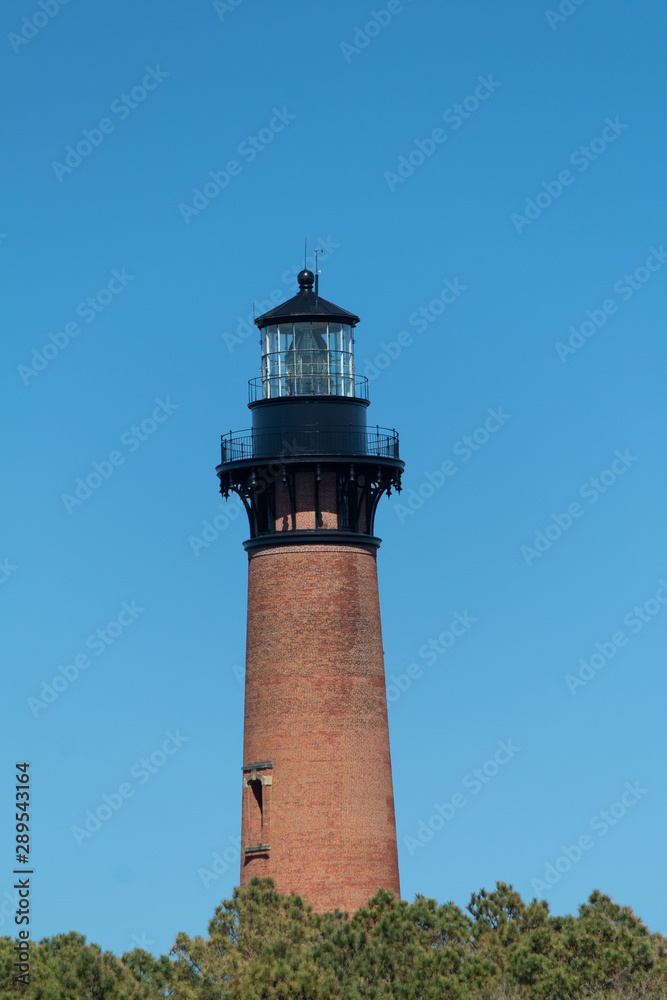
<point>257,781</point>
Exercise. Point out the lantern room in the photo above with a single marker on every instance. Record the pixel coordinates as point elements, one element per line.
<point>307,348</point>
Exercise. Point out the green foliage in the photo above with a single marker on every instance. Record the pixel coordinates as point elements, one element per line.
<point>264,946</point>
<point>65,967</point>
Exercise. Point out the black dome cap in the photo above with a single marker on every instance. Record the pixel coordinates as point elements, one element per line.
<point>306,304</point>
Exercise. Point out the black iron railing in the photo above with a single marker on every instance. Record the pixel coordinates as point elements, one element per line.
<point>302,441</point>
<point>308,383</point>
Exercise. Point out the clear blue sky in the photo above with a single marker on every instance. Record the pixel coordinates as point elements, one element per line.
<point>540,200</point>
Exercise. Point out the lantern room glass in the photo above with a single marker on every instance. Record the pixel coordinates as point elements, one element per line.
<point>307,358</point>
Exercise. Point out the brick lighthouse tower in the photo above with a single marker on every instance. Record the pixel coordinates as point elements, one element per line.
<point>318,804</point>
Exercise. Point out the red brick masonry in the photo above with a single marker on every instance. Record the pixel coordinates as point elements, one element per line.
<point>315,706</point>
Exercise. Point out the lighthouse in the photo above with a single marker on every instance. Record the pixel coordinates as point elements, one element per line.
<point>317,794</point>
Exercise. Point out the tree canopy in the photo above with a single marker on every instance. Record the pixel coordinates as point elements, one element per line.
<point>265,946</point>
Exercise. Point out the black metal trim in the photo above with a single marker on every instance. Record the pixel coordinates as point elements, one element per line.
<point>306,536</point>
<point>292,498</point>
<point>306,459</point>
<point>274,400</point>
